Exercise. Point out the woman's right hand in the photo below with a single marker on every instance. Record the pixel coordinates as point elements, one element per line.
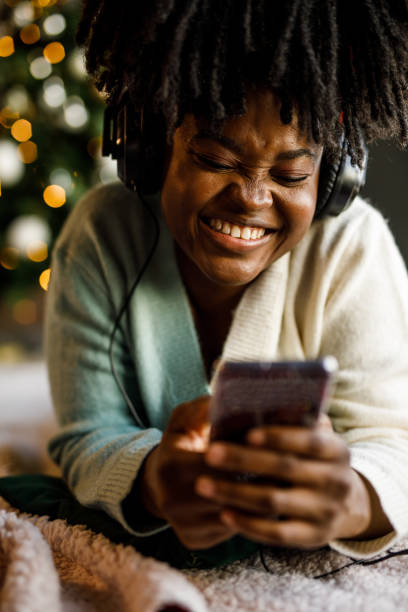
<point>168,477</point>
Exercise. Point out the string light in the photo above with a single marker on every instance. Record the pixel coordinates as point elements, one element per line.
<point>26,230</point>
<point>54,92</point>
<point>30,34</point>
<point>54,196</point>
<point>37,251</point>
<point>61,176</point>
<point>44,279</point>
<point>21,130</point>
<point>75,113</point>
<point>23,14</point>
<point>28,152</point>
<point>40,68</point>
<point>11,166</point>
<point>54,24</point>
<point>54,52</point>
<point>6,46</point>
<point>9,258</point>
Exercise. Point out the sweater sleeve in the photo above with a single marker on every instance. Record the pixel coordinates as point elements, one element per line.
<point>366,327</point>
<point>99,446</point>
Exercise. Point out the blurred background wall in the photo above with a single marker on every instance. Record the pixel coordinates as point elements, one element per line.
<point>50,153</point>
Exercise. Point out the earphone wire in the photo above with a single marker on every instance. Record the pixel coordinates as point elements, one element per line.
<point>389,555</point>
<point>125,305</point>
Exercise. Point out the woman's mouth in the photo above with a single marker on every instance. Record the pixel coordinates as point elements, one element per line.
<point>244,232</point>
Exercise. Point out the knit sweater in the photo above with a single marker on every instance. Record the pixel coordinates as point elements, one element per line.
<point>342,291</point>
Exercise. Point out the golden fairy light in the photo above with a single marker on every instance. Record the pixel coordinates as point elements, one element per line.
<point>25,312</point>
<point>54,52</point>
<point>28,151</point>
<point>44,279</point>
<point>6,46</point>
<point>21,130</point>
<point>30,34</point>
<point>9,258</point>
<point>37,251</point>
<point>54,196</point>
<point>7,117</point>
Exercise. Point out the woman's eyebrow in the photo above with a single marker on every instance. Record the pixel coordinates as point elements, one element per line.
<point>228,143</point>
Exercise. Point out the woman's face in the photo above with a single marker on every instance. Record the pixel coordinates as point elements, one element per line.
<point>237,202</point>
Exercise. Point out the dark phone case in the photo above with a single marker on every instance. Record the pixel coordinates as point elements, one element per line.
<point>250,394</point>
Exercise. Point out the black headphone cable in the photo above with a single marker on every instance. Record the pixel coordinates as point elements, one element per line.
<point>125,305</point>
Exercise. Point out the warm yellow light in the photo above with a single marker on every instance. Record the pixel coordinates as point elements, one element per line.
<point>94,147</point>
<point>28,152</point>
<point>43,3</point>
<point>44,279</point>
<point>37,251</point>
<point>7,117</point>
<point>9,258</point>
<point>54,196</point>
<point>54,52</point>
<point>6,46</point>
<point>21,130</point>
<point>25,312</point>
<point>30,34</point>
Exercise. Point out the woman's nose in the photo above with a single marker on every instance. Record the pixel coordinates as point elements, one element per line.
<point>252,194</point>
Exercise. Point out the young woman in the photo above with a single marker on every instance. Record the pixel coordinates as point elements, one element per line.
<point>245,105</point>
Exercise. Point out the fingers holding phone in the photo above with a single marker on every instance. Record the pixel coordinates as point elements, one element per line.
<point>290,483</point>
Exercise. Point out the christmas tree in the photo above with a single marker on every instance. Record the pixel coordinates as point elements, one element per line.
<point>50,144</point>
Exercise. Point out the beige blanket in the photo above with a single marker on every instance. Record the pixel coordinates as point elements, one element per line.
<point>49,566</point>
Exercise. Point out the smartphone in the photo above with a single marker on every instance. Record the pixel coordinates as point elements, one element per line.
<point>251,394</point>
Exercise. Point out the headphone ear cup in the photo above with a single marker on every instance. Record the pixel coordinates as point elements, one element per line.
<point>340,182</point>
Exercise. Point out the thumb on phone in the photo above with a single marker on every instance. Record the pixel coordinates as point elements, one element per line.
<point>191,421</point>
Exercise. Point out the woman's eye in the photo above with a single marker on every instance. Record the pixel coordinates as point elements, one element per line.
<point>290,180</point>
<point>211,163</point>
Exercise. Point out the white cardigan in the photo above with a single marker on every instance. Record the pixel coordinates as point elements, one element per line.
<point>342,291</point>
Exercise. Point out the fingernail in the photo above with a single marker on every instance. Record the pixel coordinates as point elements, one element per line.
<point>256,437</point>
<point>215,453</point>
<point>205,486</point>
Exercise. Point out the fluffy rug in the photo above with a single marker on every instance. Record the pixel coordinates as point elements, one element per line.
<point>49,566</point>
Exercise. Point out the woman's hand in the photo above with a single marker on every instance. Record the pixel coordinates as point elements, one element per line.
<point>169,475</point>
<point>308,496</point>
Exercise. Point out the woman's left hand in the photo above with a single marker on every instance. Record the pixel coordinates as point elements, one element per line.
<point>309,494</point>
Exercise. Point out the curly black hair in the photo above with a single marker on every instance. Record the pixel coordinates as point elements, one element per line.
<point>341,64</point>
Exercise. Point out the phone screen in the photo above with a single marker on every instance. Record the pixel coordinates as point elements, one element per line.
<point>250,394</point>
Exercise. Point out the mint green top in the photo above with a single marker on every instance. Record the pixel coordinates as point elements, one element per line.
<point>342,291</point>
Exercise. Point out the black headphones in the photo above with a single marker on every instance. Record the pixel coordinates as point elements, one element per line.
<point>128,136</point>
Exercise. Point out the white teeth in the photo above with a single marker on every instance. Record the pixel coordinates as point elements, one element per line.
<point>226,228</point>
<point>237,231</point>
<point>246,233</point>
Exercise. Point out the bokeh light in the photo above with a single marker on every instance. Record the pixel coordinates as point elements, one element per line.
<point>23,14</point>
<point>25,312</point>
<point>21,130</point>
<point>44,279</point>
<point>40,68</point>
<point>26,229</point>
<point>37,251</point>
<point>6,46</point>
<point>54,196</point>
<point>75,113</point>
<point>61,176</point>
<point>28,152</point>
<point>11,166</point>
<point>54,24</point>
<point>9,258</point>
<point>30,34</point>
<point>54,92</point>
<point>54,52</point>
<point>17,100</point>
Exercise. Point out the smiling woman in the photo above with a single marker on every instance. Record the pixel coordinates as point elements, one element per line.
<point>239,128</point>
